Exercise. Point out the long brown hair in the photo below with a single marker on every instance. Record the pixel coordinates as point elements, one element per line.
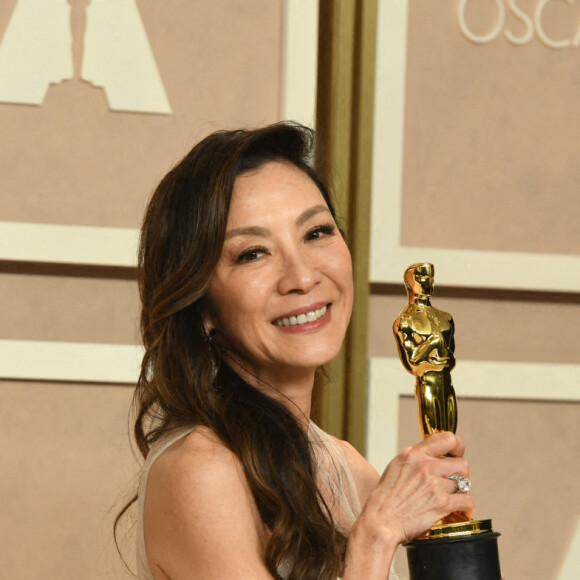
<point>185,379</point>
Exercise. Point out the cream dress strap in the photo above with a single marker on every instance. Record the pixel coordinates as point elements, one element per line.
<point>333,477</point>
<point>143,570</point>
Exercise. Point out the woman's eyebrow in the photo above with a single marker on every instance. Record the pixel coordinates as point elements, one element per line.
<point>249,231</point>
<point>265,232</point>
<point>309,213</point>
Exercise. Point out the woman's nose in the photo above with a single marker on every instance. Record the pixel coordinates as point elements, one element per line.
<point>298,274</point>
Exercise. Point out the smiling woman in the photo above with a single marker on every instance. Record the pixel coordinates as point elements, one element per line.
<point>246,290</point>
<point>283,259</point>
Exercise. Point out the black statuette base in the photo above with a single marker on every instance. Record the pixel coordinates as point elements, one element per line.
<point>473,557</point>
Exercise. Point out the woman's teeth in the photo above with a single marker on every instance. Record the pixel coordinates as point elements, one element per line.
<point>302,318</point>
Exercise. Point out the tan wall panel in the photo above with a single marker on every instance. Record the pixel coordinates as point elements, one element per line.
<point>66,463</point>
<point>496,330</point>
<point>70,309</point>
<point>5,13</point>
<point>72,161</point>
<point>66,467</point>
<point>489,163</point>
<point>491,147</point>
<point>523,475</point>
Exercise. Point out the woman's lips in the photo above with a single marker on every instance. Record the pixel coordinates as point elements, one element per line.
<point>302,318</point>
<point>307,319</point>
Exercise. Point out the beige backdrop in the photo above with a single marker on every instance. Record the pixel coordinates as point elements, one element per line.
<point>489,151</point>
<point>66,463</point>
<point>489,171</point>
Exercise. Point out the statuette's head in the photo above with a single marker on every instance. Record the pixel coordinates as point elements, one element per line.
<point>419,280</point>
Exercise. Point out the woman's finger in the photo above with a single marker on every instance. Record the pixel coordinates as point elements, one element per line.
<point>444,443</point>
<point>415,459</point>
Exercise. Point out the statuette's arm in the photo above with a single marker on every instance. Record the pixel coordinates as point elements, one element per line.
<point>421,353</point>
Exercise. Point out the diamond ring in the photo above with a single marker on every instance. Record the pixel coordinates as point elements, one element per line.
<point>463,483</point>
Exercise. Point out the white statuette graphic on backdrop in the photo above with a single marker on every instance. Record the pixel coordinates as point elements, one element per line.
<point>41,42</point>
<point>35,50</point>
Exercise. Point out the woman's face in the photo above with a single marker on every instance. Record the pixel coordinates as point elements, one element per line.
<point>281,294</point>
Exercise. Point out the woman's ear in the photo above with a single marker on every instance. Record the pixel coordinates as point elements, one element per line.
<point>208,325</point>
<point>207,317</point>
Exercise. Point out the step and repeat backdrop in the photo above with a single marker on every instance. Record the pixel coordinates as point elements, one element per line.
<point>476,170</point>
<point>98,100</point>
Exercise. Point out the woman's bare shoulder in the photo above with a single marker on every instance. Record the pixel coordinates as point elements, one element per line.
<point>364,474</point>
<point>199,456</point>
<point>199,473</point>
<point>200,519</point>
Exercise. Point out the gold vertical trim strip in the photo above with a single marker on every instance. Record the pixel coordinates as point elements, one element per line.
<point>360,202</point>
<point>345,100</point>
<point>333,123</point>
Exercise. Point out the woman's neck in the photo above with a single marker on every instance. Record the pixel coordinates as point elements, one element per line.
<point>291,389</point>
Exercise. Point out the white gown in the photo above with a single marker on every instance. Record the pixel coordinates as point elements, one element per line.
<point>334,480</point>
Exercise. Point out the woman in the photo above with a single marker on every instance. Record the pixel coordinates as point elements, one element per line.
<point>246,289</point>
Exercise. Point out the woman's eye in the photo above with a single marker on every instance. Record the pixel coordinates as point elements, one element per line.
<point>320,231</point>
<point>250,255</point>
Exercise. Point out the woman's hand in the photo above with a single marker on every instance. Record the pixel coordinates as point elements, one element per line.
<point>412,495</point>
<point>414,492</point>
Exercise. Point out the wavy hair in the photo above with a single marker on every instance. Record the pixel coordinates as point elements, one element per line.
<point>185,379</point>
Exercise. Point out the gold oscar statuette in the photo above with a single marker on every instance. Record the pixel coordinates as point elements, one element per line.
<point>426,345</point>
